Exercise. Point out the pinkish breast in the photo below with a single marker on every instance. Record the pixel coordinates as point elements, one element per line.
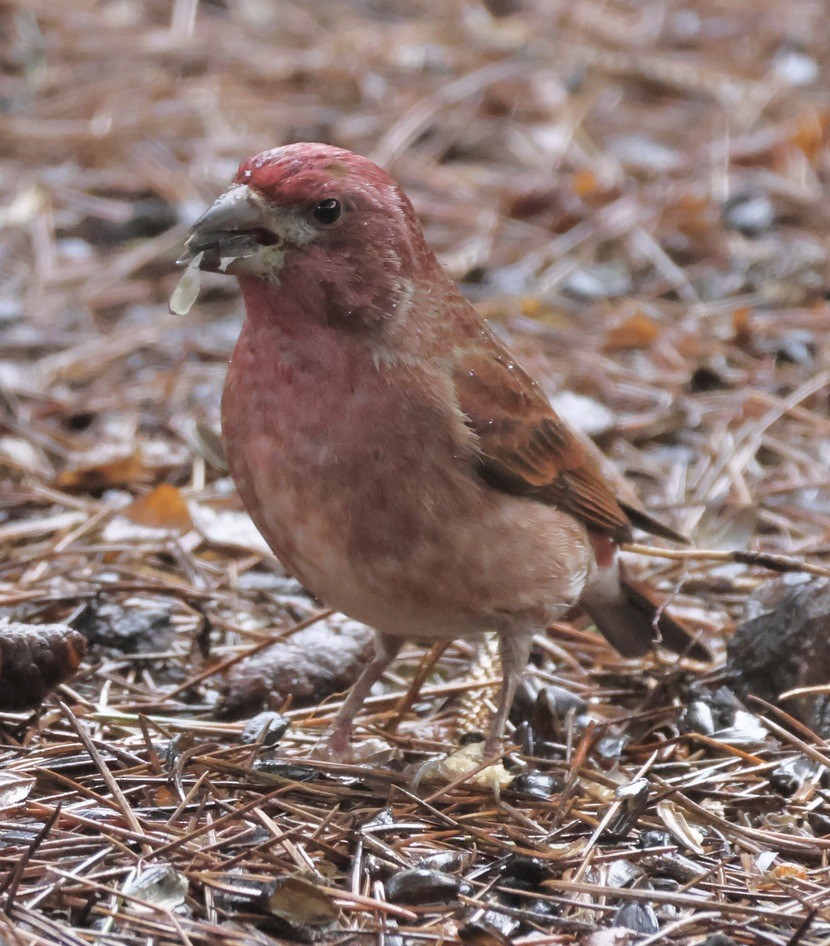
<point>360,475</point>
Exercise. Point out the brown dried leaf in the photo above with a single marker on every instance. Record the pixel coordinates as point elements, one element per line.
<point>14,788</point>
<point>810,132</point>
<point>787,871</point>
<point>585,183</point>
<point>677,825</point>
<point>742,326</point>
<point>637,331</point>
<point>303,907</point>
<point>162,508</point>
<point>100,468</point>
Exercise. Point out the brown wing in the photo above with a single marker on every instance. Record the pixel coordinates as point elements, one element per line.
<point>525,448</point>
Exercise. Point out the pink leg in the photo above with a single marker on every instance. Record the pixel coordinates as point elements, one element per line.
<point>515,653</point>
<point>336,741</point>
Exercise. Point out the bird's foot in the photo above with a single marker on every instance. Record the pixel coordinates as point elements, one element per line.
<point>336,746</point>
<point>333,746</point>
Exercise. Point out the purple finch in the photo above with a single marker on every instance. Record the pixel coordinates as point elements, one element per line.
<point>397,459</point>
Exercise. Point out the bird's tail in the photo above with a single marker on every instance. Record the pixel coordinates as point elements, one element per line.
<point>633,620</point>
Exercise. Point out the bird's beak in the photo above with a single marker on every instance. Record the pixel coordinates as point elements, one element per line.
<point>235,227</point>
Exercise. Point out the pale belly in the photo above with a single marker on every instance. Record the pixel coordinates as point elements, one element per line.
<point>371,504</point>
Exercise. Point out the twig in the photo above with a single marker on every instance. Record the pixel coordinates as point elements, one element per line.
<point>12,881</point>
<point>769,560</point>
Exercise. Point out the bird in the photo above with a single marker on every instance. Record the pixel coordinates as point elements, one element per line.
<point>396,457</point>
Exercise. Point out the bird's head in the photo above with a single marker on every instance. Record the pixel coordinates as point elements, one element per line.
<point>328,214</point>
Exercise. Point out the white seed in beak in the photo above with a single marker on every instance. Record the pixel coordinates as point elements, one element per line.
<point>187,289</point>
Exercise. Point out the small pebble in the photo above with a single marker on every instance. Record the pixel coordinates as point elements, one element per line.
<point>750,212</point>
<point>536,784</point>
<point>274,724</point>
<point>422,885</point>
<point>639,917</point>
<point>698,718</point>
<point>526,873</point>
<point>598,281</point>
<point>795,67</point>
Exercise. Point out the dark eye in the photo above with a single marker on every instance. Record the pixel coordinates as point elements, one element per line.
<point>327,211</point>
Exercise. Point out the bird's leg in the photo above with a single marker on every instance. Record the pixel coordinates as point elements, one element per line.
<point>515,653</point>
<point>336,741</point>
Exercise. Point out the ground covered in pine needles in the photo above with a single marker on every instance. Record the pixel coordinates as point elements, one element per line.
<point>635,195</point>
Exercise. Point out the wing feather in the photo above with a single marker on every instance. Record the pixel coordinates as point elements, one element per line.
<point>524,446</point>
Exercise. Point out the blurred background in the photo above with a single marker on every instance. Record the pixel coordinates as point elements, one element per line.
<point>634,193</point>
<point>651,174</point>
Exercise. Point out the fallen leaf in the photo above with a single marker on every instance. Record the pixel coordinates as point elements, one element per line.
<point>586,414</point>
<point>24,456</point>
<point>677,825</point>
<point>809,132</point>
<point>302,907</point>
<point>785,871</point>
<point>162,508</point>
<point>159,885</point>
<point>637,331</point>
<point>102,467</point>
<point>228,528</point>
<point>585,183</point>
<point>742,326</point>
<point>14,788</point>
